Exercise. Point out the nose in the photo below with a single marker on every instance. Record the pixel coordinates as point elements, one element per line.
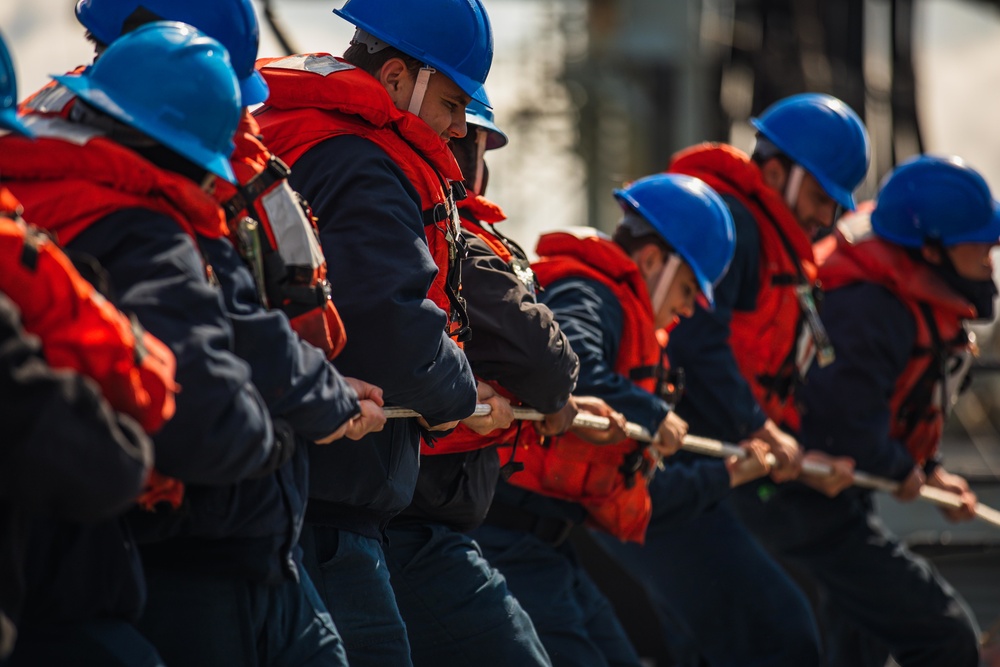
<point>687,310</point>
<point>458,128</point>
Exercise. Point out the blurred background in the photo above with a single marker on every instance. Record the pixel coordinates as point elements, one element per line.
<point>594,93</point>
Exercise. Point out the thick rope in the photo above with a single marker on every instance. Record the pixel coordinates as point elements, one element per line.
<point>719,449</point>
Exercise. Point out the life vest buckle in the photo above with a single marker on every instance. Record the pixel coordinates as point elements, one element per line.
<point>824,347</point>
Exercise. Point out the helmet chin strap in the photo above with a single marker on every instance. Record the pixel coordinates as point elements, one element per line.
<point>481,137</point>
<point>664,281</point>
<point>420,89</point>
<point>793,185</point>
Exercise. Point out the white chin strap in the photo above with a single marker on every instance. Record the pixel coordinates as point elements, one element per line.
<point>481,137</point>
<point>793,185</point>
<point>663,283</point>
<point>420,89</point>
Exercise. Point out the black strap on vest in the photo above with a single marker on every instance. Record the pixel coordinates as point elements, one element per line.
<point>914,407</point>
<point>512,466</point>
<point>669,381</point>
<point>247,194</point>
<point>29,251</point>
<point>784,280</point>
<point>635,463</point>
<point>457,250</point>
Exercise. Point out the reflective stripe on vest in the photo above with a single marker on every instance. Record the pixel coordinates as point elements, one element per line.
<point>273,230</point>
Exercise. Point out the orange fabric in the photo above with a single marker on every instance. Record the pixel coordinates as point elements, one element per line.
<point>249,159</point>
<point>566,466</point>
<point>869,259</point>
<point>9,206</point>
<point>160,489</point>
<point>322,326</point>
<point>763,340</point>
<point>81,331</point>
<point>95,179</point>
<point>306,108</point>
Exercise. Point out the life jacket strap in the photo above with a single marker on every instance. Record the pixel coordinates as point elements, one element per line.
<point>247,194</point>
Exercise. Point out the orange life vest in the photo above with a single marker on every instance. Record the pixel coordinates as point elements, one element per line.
<point>925,390</point>
<point>772,344</point>
<point>609,481</point>
<point>475,210</point>
<point>472,211</point>
<point>95,177</point>
<point>284,254</point>
<point>81,331</point>
<point>291,275</point>
<point>315,97</point>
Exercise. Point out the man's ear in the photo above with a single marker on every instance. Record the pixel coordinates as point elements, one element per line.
<point>774,173</point>
<point>393,75</point>
<point>649,259</point>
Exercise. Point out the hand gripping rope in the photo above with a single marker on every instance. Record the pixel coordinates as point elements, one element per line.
<point>718,449</point>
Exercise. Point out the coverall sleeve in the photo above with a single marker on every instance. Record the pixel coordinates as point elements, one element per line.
<point>371,229</point>
<point>687,486</point>
<point>516,341</point>
<point>717,401</point>
<point>66,453</point>
<point>294,378</point>
<point>845,406</point>
<point>221,432</point>
<point>591,317</point>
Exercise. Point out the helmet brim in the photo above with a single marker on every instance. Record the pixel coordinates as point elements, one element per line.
<point>495,137</point>
<point>254,89</point>
<point>988,234</point>
<point>10,121</point>
<point>707,289</point>
<point>214,162</point>
<point>476,91</point>
<point>844,198</point>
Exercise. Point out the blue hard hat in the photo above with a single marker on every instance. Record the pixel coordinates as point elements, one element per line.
<point>232,22</point>
<point>452,36</point>
<point>691,217</point>
<point>937,199</point>
<point>824,136</point>
<point>8,94</point>
<point>480,115</point>
<point>172,83</point>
